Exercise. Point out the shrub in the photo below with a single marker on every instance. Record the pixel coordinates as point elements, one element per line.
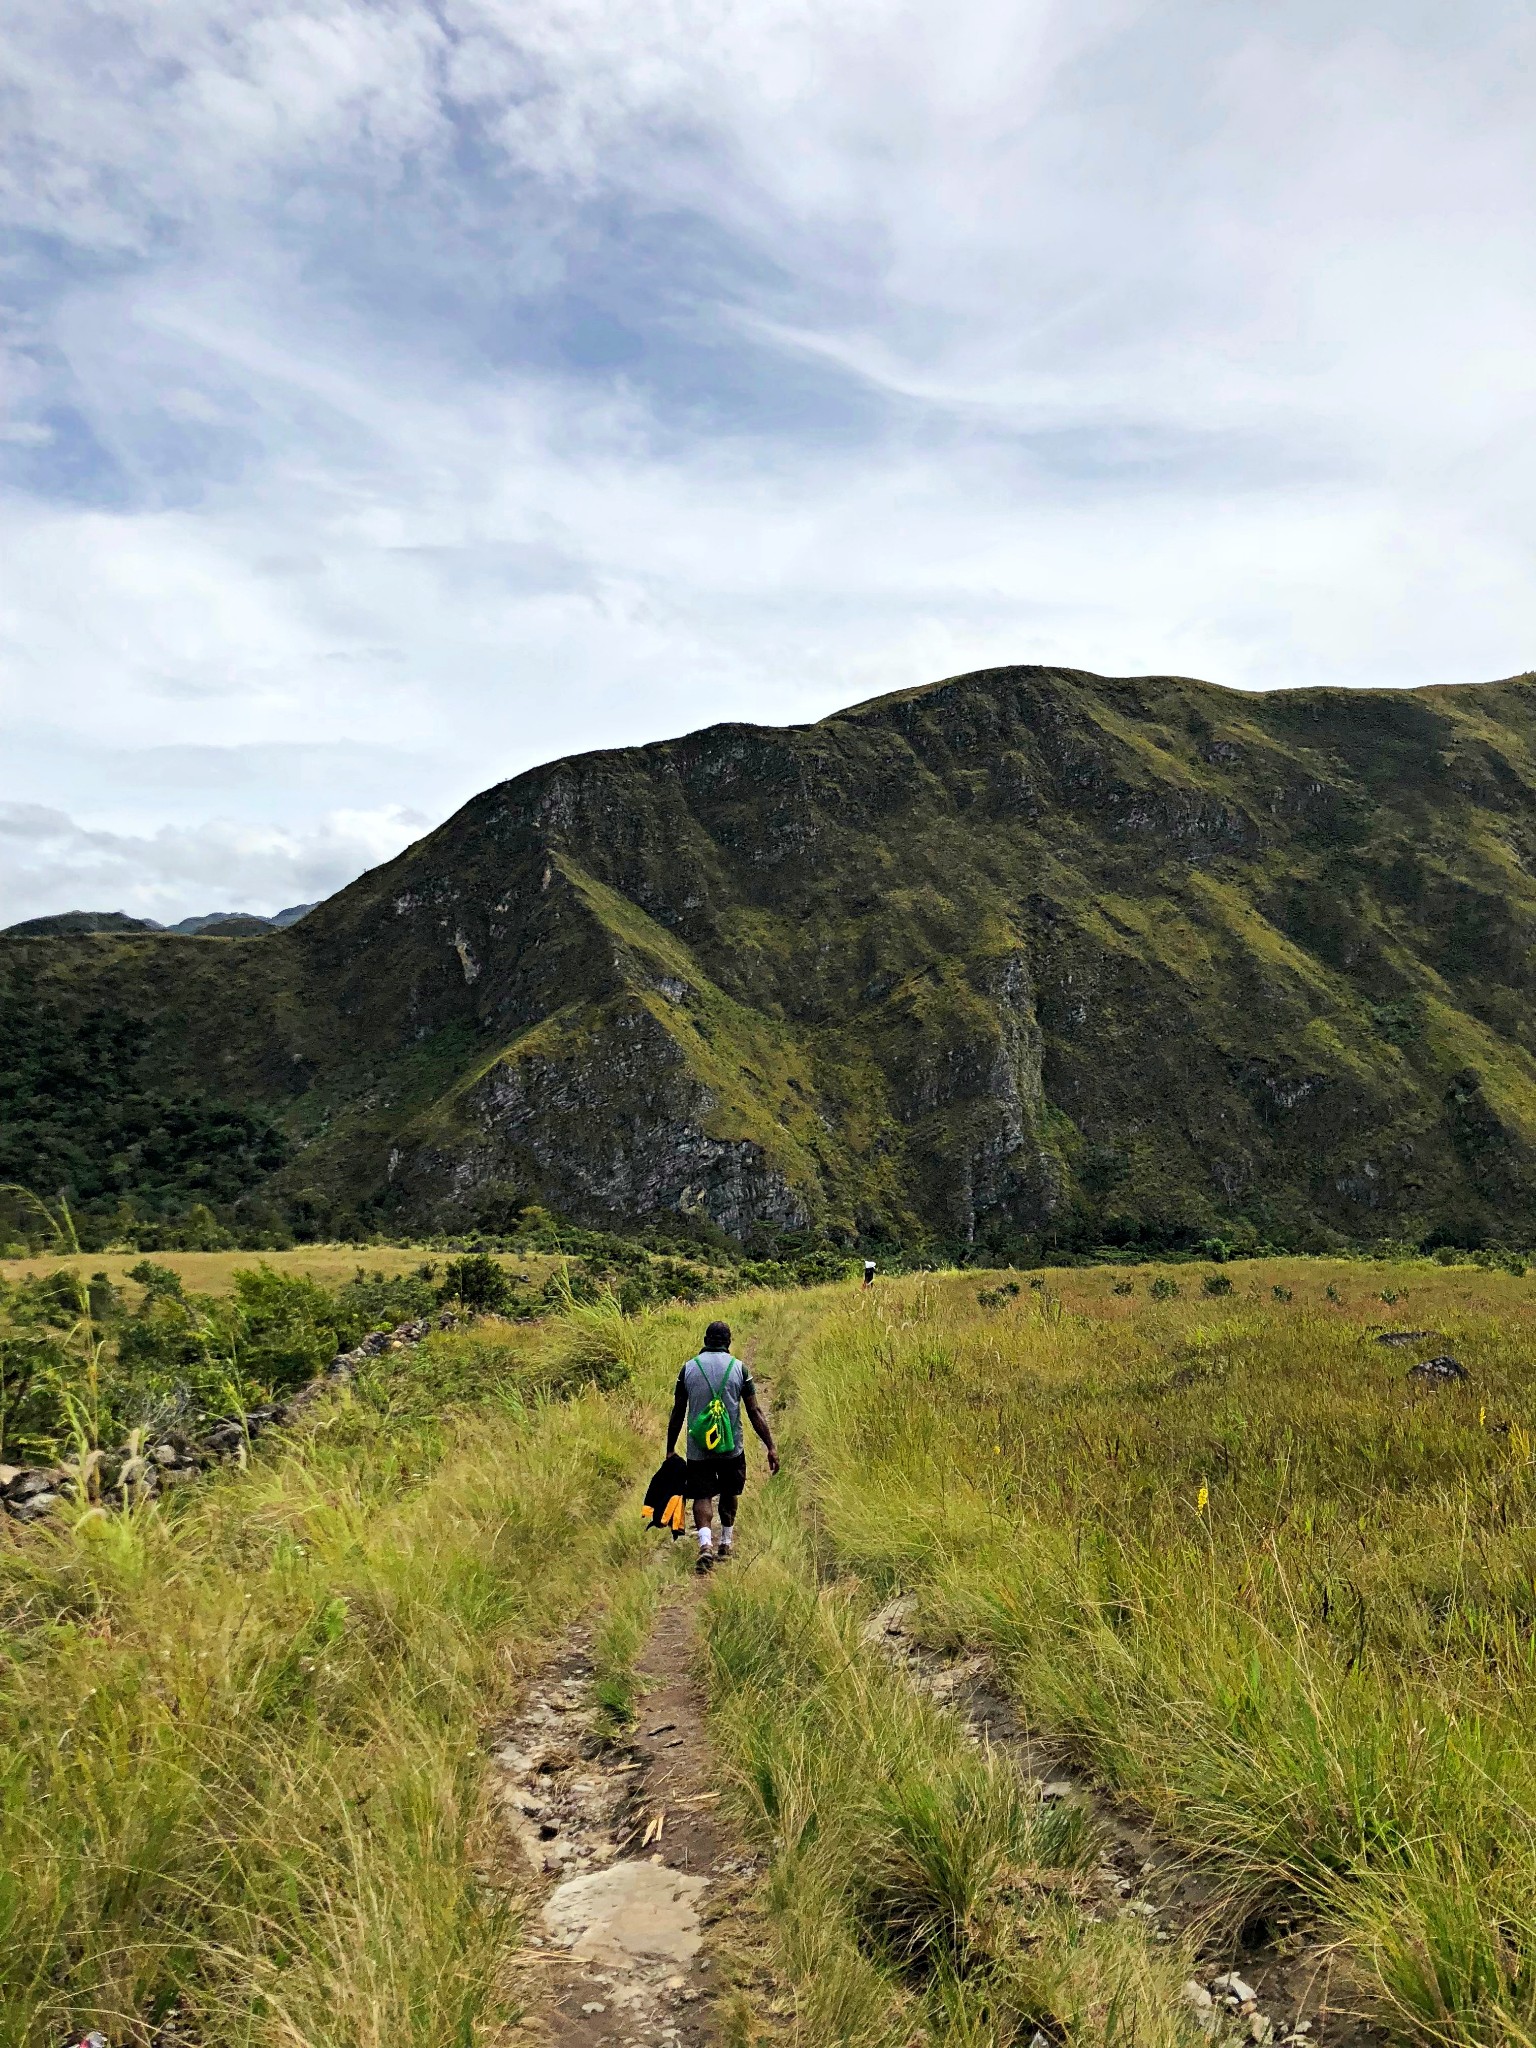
<point>370,1300</point>
<point>994,1297</point>
<point>1165,1288</point>
<point>75,1358</point>
<point>156,1279</point>
<point>1281,1293</point>
<point>476,1282</point>
<point>1216,1283</point>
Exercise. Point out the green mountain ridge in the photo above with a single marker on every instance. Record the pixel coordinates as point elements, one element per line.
<point>220,923</point>
<point>1025,955</point>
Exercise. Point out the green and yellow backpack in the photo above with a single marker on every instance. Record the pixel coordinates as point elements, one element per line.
<point>710,1431</point>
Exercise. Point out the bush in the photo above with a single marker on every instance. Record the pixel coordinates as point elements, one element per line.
<point>156,1279</point>
<point>370,1301</point>
<point>1165,1288</point>
<point>1216,1283</point>
<point>994,1297</point>
<point>477,1283</point>
<point>76,1360</point>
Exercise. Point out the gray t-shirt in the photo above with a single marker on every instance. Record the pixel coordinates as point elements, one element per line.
<point>727,1377</point>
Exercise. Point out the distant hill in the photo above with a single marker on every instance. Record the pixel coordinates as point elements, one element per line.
<point>72,921</point>
<point>231,924</point>
<point>1029,957</point>
<point>220,923</point>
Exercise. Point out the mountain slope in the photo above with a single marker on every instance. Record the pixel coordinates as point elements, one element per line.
<point>1028,952</point>
<point>75,921</point>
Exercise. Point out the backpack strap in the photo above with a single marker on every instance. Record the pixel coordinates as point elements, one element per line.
<point>714,1391</point>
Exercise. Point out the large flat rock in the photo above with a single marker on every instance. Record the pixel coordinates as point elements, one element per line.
<point>628,1913</point>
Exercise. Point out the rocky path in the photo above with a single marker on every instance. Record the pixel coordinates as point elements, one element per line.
<point>1270,1981</point>
<point>643,1885</point>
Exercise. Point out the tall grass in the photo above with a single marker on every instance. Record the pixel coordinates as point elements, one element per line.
<point>240,1735</point>
<point>1280,1593</point>
<point>242,1732</point>
<point>918,1892</point>
<point>596,1340</point>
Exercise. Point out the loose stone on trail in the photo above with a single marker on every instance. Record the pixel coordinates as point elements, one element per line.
<point>1235,1988</point>
<point>630,1912</point>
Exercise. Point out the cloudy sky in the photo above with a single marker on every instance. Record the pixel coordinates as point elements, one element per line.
<point>393,395</point>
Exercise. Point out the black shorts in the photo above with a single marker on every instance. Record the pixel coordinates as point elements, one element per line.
<point>710,1477</point>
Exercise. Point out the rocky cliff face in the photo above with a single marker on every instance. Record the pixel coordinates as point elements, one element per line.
<point>1028,951</point>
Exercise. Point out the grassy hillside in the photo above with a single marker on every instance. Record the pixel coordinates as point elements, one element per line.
<point>1029,958</point>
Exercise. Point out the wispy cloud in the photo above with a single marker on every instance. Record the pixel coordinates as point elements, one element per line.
<point>439,387</point>
<point>221,865</point>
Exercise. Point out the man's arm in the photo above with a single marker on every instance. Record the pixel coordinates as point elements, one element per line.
<point>679,1411</point>
<point>759,1422</point>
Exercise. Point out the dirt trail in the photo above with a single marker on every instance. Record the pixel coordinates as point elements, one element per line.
<point>643,1881</point>
<point>1298,1991</point>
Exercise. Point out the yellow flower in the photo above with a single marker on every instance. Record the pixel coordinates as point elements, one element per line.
<point>996,1450</point>
<point>1202,1498</point>
<point>1482,1413</point>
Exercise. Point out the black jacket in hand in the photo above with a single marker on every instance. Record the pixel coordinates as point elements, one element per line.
<point>665,1497</point>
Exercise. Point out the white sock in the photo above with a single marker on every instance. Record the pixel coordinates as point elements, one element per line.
<point>706,1537</point>
<point>725,1538</point>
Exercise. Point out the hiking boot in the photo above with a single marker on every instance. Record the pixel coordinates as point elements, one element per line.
<point>706,1563</point>
<point>725,1553</point>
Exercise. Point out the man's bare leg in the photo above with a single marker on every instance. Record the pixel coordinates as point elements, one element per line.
<point>704,1523</point>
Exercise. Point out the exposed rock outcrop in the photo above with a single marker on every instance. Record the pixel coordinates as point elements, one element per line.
<point>1026,951</point>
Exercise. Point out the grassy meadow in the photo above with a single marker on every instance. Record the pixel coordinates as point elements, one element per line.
<point>1200,1518</point>
<point>918,1894</point>
<point>328,1265</point>
<point>241,1732</point>
<point>1279,1592</point>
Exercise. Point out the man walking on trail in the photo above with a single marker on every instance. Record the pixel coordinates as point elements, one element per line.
<point>712,1390</point>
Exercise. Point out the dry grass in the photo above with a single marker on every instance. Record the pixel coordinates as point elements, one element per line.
<point>329,1264</point>
<point>241,1733</point>
<point>1281,1592</point>
<point>918,1896</point>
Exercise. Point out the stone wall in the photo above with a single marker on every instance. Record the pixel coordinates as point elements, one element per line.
<point>141,1470</point>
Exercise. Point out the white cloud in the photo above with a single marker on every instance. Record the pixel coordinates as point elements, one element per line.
<point>48,862</point>
<point>464,384</point>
